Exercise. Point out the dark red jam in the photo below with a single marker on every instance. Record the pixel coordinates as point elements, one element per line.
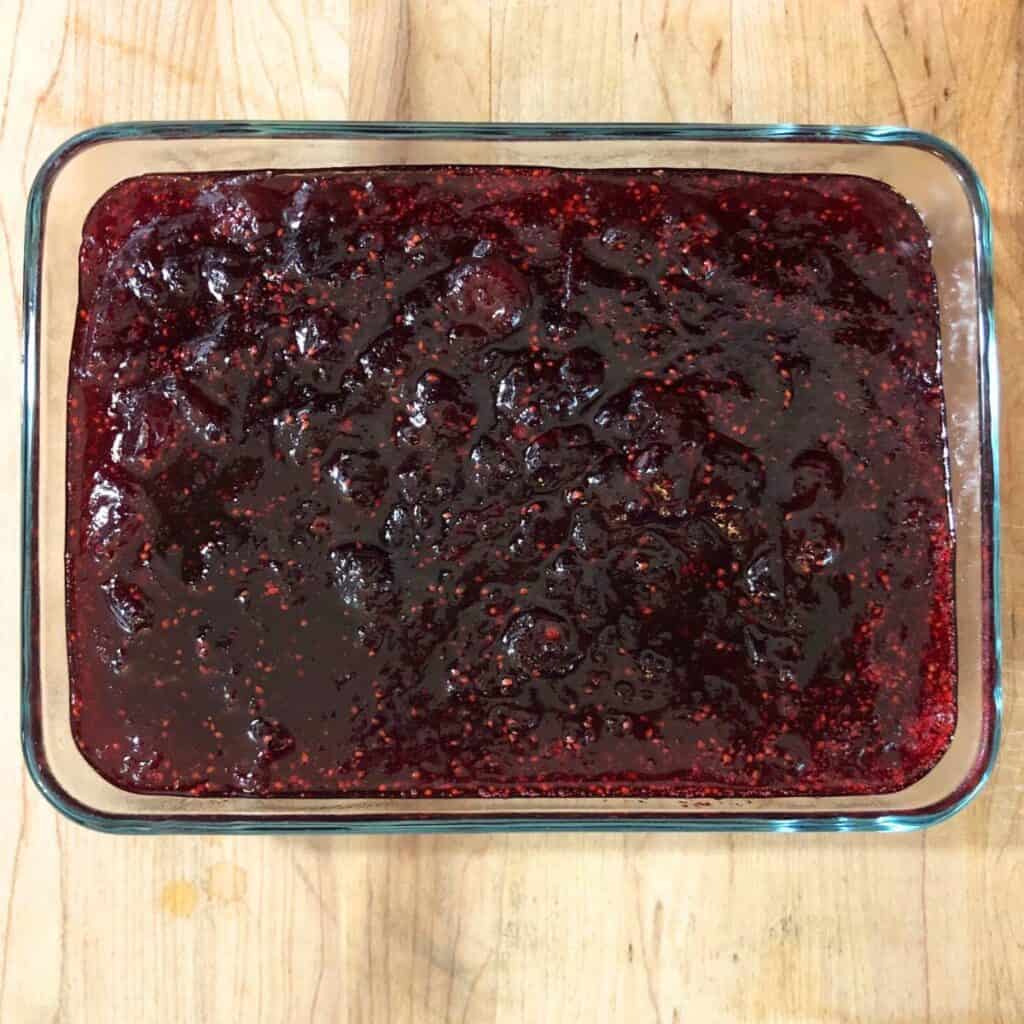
<point>508,481</point>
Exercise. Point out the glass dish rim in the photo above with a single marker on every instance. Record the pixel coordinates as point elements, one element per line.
<point>482,131</point>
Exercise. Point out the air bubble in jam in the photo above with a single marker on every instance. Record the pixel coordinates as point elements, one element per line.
<point>489,293</point>
<point>455,481</point>
<point>541,645</point>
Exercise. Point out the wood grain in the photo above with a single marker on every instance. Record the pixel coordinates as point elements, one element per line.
<point>666,929</point>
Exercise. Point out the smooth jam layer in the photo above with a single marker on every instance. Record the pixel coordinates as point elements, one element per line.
<point>508,482</point>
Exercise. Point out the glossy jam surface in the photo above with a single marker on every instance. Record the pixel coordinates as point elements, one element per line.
<point>492,481</point>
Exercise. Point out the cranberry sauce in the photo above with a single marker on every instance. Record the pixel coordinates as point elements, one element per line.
<point>508,481</point>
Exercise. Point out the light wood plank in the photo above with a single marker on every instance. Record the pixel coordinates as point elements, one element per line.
<point>678,61</point>
<point>556,61</point>
<point>281,60</point>
<point>800,60</point>
<point>422,61</point>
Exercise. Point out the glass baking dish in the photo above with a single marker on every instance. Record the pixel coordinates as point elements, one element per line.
<point>930,173</point>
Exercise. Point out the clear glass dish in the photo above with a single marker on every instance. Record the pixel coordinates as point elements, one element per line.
<point>929,172</point>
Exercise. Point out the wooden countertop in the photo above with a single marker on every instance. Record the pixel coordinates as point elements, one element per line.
<point>524,928</point>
